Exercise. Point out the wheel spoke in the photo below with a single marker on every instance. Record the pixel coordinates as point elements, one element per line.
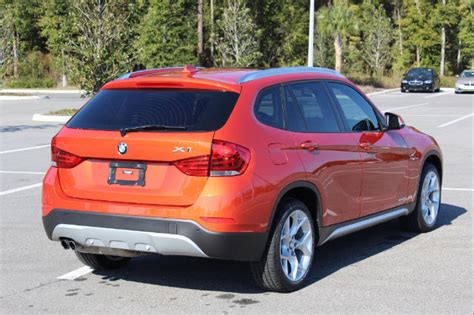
<point>284,265</point>
<point>297,226</point>
<point>304,244</point>
<point>294,267</point>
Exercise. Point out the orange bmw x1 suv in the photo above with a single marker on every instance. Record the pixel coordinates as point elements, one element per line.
<point>249,165</point>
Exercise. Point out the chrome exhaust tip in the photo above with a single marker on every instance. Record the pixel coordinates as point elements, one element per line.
<point>72,245</point>
<point>64,244</point>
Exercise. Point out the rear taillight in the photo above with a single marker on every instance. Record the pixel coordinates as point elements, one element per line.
<point>196,166</point>
<point>63,159</point>
<point>226,159</point>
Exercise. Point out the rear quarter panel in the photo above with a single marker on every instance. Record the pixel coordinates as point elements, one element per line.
<point>271,175</point>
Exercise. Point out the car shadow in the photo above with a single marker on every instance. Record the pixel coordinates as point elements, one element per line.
<point>230,276</point>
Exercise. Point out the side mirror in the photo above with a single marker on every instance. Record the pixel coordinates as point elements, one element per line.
<point>394,121</point>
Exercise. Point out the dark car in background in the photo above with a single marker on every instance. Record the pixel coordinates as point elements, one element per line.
<point>420,80</point>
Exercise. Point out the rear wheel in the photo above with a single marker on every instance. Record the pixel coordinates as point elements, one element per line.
<point>289,257</point>
<point>425,215</point>
<point>102,261</point>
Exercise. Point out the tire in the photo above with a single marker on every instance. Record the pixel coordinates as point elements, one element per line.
<point>424,217</point>
<point>270,273</point>
<point>101,261</point>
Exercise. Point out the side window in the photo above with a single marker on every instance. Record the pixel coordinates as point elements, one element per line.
<point>268,109</point>
<point>358,113</point>
<point>308,109</point>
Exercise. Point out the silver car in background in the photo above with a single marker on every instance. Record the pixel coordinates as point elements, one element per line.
<point>465,82</point>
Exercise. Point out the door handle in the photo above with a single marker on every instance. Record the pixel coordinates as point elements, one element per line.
<point>309,146</point>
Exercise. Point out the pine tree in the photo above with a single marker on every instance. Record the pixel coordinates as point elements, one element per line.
<point>92,37</point>
<point>167,34</point>
<point>465,36</point>
<point>337,21</point>
<point>237,45</point>
<point>376,37</point>
<point>420,38</point>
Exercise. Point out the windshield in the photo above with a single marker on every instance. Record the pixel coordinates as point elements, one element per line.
<point>467,74</point>
<point>420,72</point>
<point>190,110</point>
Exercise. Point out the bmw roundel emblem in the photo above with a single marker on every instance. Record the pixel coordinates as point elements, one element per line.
<point>122,148</point>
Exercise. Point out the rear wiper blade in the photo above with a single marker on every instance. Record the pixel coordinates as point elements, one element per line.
<point>124,131</point>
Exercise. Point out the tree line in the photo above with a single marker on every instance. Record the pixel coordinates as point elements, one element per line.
<point>93,41</point>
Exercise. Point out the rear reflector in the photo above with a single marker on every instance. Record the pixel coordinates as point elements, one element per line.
<point>226,159</point>
<point>63,159</point>
<point>218,220</point>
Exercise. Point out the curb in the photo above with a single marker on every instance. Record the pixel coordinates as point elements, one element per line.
<point>383,92</point>
<point>50,118</point>
<point>19,98</point>
<point>42,91</point>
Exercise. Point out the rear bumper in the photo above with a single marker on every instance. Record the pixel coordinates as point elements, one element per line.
<point>152,235</point>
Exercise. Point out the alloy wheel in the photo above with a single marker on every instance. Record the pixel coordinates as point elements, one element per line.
<point>430,198</point>
<point>296,245</point>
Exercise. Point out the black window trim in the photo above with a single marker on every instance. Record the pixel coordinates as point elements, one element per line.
<point>257,101</point>
<point>339,118</point>
<point>377,113</point>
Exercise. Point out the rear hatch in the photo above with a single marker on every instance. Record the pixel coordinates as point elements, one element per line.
<point>123,145</point>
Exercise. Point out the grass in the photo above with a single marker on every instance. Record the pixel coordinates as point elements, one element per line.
<point>14,94</point>
<point>29,83</point>
<point>63,112</point>
<point>380,82</point>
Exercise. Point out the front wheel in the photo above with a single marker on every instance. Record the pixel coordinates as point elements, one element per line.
<point>289,256</point>
<point>425,215</point>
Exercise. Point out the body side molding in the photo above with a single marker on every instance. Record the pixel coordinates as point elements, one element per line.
<point>334,231</point>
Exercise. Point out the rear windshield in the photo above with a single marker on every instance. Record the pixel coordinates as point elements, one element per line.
<point>118,109</point>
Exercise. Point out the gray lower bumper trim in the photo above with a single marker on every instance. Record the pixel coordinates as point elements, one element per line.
<point>149,242</point>
<point>365,223</point>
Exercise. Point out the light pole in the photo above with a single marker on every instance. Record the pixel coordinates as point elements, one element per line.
<point>311,33</point>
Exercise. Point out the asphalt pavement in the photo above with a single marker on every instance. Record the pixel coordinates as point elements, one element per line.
<point>379,270</point>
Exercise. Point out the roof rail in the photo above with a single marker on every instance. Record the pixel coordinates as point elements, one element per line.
<point>187,69</point>
<point>287,70</point>
<point>147,71</point>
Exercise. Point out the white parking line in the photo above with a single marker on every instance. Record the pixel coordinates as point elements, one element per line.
<point>11,191</point>
<point>21,172</point>
<point>76,273</point>
<point>26,149</point>
<point>428,115</point>
<point>403,107</point>
<point>458,189</point>
<point>456,120</point>
<point>439,94</point>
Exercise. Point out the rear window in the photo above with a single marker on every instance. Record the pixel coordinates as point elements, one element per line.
<point>116,109</point>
